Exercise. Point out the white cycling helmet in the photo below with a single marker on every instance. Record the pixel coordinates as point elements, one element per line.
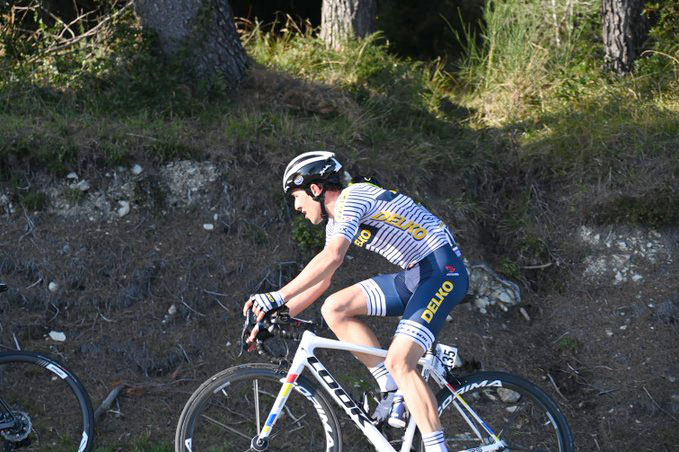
<point>312,167</point>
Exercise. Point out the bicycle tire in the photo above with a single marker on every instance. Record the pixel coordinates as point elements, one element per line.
<point>518,411</point>
<point>31,386</point>
<point>221,414</point>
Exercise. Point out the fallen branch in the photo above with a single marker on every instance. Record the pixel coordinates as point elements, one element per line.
<point>108,401</point>
<point>558,391</point>
<point>659,407</point>
<point>537,267</point>
<point>524,313</point>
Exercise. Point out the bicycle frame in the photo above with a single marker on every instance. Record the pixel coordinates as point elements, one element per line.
<point>306,359</point>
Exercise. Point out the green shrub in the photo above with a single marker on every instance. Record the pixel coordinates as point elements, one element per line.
<point>310,238</point>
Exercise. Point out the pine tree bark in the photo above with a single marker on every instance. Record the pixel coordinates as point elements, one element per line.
<point>345,19</point>
<point>624,32</point>
<point>200,32</point>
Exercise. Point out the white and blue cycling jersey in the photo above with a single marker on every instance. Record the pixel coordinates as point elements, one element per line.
<point>388,223</point>
<point>434,278</point>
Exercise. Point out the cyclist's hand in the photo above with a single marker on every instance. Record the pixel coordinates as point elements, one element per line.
<point>262,303</point>
<point>253,334</point>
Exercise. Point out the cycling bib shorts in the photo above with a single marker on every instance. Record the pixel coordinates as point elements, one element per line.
<point>424,294</point>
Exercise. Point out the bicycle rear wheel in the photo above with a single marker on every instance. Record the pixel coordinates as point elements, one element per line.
<point>230,409</point>
<point>516,410</point>
<point>47,405</point>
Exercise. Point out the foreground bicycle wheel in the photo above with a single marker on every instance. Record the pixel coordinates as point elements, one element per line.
<point>46,405</point>
<point>230,409</point>
<point>519,413</point>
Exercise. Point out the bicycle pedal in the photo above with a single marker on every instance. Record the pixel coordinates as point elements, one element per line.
<point>383,409</point>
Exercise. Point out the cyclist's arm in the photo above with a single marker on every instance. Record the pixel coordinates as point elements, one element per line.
<point>302,301</point>
<point>320,269</point>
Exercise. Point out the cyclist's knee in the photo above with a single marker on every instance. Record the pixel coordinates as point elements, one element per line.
<point>399,363</point>
<point>346,303</point>
<point>333,309</point>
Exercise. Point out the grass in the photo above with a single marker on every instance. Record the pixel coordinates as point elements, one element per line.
<point>500,136</point>
<point>141,444</point>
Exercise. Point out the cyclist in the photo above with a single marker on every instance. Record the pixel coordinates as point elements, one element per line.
<point>432,280</point>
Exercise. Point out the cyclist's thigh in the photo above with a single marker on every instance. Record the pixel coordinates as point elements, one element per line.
<point>350,301</point>
<point>385,295</point>
<point>432,301</point>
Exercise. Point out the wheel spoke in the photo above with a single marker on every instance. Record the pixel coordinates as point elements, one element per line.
<point>213,420</point>
<point>226,427</point>
<point>521,415</point>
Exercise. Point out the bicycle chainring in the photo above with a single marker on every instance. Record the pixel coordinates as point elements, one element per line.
<point>21,429</point>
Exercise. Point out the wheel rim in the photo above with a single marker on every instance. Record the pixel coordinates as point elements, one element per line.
<point>50,413</point>
<point>237,411</point>
<point>511,412</point>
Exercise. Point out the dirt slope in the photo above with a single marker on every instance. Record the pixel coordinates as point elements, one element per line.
<point>151,300</point>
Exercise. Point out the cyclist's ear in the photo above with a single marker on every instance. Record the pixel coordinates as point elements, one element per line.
<point>316,189</point>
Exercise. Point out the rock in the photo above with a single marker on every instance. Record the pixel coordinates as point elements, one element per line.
<point>72,176</point>
<point>53,287</point>
<point>172,310</point>
<point>208,226</point>
<point>489,288</point>
<point>188,181</point>
<point>619,256</point>
<point>124,208</point>
<point>137,169</point>
<point>57,336</point>
<point>508,396</point>
<point>83,186</point>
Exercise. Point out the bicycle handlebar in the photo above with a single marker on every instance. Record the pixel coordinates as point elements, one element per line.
<point>275,324</point>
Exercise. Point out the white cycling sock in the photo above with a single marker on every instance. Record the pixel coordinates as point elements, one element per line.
<point>434,442</point>
<point>383,377</point>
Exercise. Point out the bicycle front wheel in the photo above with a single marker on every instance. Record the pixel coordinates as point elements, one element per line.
<point>230,409</point>
<point>43,406</point>
<point>513,409</point>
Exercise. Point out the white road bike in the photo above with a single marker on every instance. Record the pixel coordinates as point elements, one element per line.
<point>268,407</point>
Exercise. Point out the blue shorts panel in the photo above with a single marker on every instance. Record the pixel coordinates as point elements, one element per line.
<point>424,294</point>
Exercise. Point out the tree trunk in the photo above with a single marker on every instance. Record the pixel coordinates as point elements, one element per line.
<point>625,30</point>
<point>345,19</point>
<point>202,32</point>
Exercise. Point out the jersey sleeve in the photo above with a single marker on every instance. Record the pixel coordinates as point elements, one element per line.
<point>349,210</point>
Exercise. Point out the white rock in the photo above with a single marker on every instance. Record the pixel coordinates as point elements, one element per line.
<point>208,226</point>
<point>618,278</point>
<point>508,396</point>
<point>124,208</point>
<point>137,169</point>
<point>72,176</point>
<point>57,336</point>
<point>215,217</point>
<point>172,310</point>
<point>53,287</point>
<point>609,332</point>
<point>83,185</point>
<point>504,297</point>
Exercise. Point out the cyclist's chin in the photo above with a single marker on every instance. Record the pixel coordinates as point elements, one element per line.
<point>313,219</point>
